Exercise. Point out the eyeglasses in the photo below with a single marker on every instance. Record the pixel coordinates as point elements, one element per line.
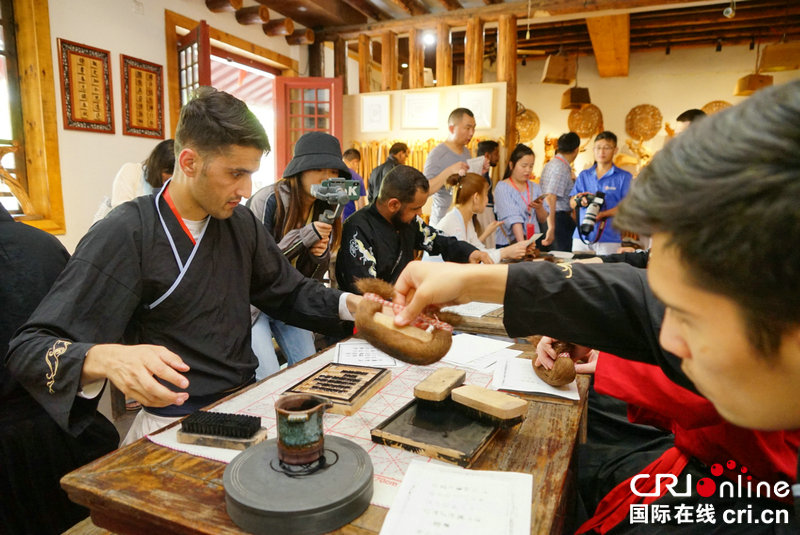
<point>604,148</point>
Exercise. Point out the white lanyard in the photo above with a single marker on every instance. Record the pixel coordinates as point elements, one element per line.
<point>183,267</point>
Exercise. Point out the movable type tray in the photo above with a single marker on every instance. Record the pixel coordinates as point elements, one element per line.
<point>440,430</point>
<point>347,386</point>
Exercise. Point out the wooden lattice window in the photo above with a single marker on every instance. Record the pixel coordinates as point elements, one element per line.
<point>194,63</point>
<point>35,171</point>
<point>12,156</point>
<point>306,105</point>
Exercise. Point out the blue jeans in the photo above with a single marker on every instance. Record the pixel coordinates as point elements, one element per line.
<point>296,344</point>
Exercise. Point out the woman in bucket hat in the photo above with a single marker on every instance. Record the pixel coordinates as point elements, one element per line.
<point>291,215</point>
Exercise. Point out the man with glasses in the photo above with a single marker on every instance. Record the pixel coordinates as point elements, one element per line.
<point>613,183</point>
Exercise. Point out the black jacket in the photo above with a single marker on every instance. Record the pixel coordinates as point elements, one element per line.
<point>374,247</point>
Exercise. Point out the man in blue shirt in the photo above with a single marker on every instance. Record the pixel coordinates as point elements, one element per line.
<point>612,181</point>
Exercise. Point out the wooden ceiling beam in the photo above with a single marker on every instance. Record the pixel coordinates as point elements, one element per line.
<point>727,40</point>
<point>710,30</point>
<point>611,44</point>
<point>252,15</point>
<point>778,16</point>
<point>220,6</point>
<point>412,7</point>
<point>316,13</point>
<point>451,5</point>
<point>368,9</point>
<point>490,13</point>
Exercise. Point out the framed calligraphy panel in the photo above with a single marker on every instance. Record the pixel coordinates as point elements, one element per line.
<point>142,98</point>
<point>86,99</point>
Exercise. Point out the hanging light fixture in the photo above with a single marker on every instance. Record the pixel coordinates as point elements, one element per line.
<point>747,85</point>
<point>575,97</point>
<point>559,69</point>
<point>528,31</point>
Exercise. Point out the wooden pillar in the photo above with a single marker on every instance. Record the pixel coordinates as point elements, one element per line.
<point>340,61</point>
<point>389,61</point>
<point>416,59</point>
<point>315,59</point>
<point>507,72</point>
<point>473,52</point>
<point>444,56</point>
<point>364,63</point>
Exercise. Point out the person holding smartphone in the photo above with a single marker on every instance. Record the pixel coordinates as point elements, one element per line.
<point>519,203</point>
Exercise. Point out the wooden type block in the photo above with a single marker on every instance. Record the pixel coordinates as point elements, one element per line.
<point>438,385</point>
<point>347,386</point>
<point>497,404</point>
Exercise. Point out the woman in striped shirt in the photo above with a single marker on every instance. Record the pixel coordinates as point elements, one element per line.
<point>519,203</point>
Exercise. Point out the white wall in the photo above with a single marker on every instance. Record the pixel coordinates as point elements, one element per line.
<point>448,98</point>
<point>90,160</point>
<point>687,78</point>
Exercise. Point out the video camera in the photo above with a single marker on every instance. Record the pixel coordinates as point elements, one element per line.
<point>590,217</point>
<point>338,192</point>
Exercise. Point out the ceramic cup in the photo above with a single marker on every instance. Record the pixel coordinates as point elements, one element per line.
<point>300,438</point>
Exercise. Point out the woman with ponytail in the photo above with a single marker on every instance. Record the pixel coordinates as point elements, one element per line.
<point>470,197</point>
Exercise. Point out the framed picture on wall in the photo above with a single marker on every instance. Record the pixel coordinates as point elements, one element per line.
<point>142,98</point>
<point>375,113</point>
<point>86,99</point>
<point>479,102</point>
<point>421,110</point>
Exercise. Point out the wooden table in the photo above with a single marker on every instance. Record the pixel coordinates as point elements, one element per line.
<point>147,488</point>
<point>491,323</point>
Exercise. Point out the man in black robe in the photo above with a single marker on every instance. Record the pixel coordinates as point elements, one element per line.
<point>718,308</point>
<point>156,297</point>
<point>380,239</point>
<point>34,451</point>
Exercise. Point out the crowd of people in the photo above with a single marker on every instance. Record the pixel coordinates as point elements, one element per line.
<point>175,296</point>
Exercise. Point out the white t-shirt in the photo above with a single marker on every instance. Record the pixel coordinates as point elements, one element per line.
<point>452,224</point>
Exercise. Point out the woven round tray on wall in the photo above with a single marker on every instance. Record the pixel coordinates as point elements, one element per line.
<point>714,106</point>
<point>643,122</point>
<point>527,126</point>
<point>586,121</point>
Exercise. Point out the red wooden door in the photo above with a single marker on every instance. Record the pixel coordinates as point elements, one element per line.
<point>194,61</point>
<point>305,105</point>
